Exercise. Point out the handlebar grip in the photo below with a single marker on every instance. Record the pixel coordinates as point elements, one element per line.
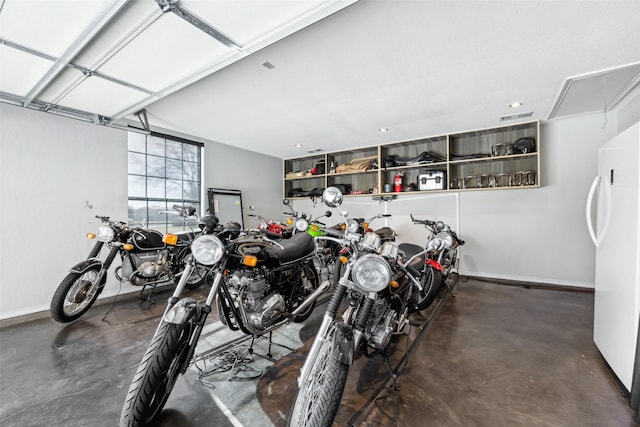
<point>334,233</point>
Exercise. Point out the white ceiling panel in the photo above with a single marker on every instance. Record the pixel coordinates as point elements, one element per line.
<point>169,50</point>
<point>48,26</point>
<point>68,79</point>
<point>99,96</point>
<point>20,71</point>
<point>248,22</point>
<point>133,18</point>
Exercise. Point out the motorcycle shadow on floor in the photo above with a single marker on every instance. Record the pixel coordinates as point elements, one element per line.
<point>368,380</point>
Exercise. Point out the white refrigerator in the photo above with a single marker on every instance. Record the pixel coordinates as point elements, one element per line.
<point>616,234</point>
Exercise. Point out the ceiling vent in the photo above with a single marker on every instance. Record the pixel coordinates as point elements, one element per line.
<point>317,150</point>
<point>516,116</point>
<point>600,91</point>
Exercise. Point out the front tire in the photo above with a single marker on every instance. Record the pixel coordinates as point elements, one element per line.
<point>75,295</point>
<point>318,398</point>
<point>431,280</point>
<point>156,375</point>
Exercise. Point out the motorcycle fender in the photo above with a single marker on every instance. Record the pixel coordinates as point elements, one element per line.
<point>182,311</point>
<point>435,264</point>
<point>343,344</point>
<point>83,266</point>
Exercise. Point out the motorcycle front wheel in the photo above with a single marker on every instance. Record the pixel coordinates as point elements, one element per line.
<point>197,277</point>
<point>75,295</point>
<point>431,281</point>
<point>318,398</point>
<point>156,375</point>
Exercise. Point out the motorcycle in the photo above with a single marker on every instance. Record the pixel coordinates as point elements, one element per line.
<point>361,226</point>
<point>148,259</point>
<point>381,294</point>
<point>437,259</point>
<point>259,284</point>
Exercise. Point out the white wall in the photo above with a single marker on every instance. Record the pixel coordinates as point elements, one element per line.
<point>50,166</point>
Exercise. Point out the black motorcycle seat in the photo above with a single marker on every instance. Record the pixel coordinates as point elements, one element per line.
<point>298,246</point>
<point>410,250</point>
<point>186,236</point>
<point>385,233</point>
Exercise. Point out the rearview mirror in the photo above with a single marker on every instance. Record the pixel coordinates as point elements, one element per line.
<point>332,197</point>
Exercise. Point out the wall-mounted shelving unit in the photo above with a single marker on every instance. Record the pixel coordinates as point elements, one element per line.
<point>480,160</point>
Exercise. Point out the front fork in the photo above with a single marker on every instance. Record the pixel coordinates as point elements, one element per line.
<point>327,320</point>
<point>181,311</point>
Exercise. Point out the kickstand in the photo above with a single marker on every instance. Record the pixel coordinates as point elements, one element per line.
<point>451,284</point>
<point>394,376</point>
<point>148,297</point>
<point>269,356</point>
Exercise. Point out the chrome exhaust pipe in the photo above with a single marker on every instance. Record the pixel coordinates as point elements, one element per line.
<point>311,298</point>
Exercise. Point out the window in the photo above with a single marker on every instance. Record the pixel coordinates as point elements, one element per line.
<point>163,172</point>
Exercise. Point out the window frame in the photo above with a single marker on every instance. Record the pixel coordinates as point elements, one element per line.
<point>171,223</point>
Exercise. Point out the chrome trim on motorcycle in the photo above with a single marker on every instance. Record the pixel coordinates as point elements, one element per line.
<point>311,298</point>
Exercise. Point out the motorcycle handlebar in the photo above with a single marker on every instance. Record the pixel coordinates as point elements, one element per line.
<point>334,233</point>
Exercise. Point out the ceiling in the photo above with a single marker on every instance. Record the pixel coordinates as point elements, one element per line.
<point>268,75</point>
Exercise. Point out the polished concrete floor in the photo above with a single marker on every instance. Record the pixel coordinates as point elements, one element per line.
<point>493,355</point>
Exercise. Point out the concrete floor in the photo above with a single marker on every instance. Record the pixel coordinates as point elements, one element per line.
<point>495,355</point>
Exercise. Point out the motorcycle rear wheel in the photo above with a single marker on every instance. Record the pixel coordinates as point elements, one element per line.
<point>310,280</point>
<point>431,281</point>
<point>156,375</point>
<point>318,399</point>
<point>73,297</point>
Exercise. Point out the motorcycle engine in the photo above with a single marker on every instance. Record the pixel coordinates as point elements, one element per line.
<point>382,323</point>
<point>261,308</point>
<point>146,265</point>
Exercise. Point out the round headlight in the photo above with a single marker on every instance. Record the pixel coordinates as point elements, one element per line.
<point>371,273</point>
<point>207,249</point>
<point>105,234</point>
<point>352,226</point>
<point>435,245</point>
<point>302,224</point>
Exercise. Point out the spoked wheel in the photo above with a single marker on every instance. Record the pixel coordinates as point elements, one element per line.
<point>75,295</point>
<point>156,375</point>
<point>309,282</point>
<point>197,277</point>
<point>431,281</point>
<point>318,398</point>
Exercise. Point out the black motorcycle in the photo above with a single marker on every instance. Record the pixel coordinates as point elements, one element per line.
<point>381,294</point>
<point>148,258</point>
<point>259,284</point>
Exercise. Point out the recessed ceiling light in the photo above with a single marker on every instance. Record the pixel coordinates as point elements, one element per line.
<point>383,129</point>
<point>515,104</point>
<point>298,145</point>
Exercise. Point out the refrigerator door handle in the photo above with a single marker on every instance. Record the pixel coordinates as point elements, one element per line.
<point>607,213</point>
<point>592,191</point>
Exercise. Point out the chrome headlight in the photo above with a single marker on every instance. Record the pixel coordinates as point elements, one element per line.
<point>302,224</point>
<point>105,234</point>
<point>352,226</point>
<point>371,273</point>
<point>207,249</point>
<point>440,242</point>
